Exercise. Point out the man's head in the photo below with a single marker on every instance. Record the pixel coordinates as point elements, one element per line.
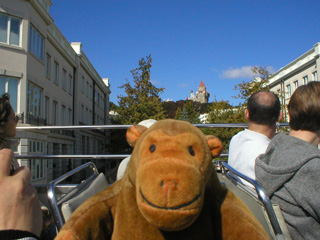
<point>304,108</point>
<point>8,121</point>
<point>263,108</point>
<point>5,109</point>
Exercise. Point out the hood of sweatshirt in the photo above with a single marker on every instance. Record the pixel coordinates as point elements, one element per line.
<point>284,156</point>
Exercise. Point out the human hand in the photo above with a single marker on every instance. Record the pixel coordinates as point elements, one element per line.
<point>19,205</point>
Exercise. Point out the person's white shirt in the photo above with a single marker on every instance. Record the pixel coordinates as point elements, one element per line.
<point>122,167</point>
<point>244,147</point>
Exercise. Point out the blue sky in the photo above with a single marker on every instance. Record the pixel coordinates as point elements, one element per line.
<point>216,41</point>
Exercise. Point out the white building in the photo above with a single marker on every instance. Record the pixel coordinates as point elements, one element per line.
<point>299,72</point>
<point>51,82</point>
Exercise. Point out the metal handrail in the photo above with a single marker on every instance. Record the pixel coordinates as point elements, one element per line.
<point>92,156</point>
<point>116,156</point>
<point>202,125</point>
<point>261,195</point>
<point>56,212</point>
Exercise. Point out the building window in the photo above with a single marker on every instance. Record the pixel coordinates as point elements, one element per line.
<point>315,76</point>
<point>296,84</point>
<point>64,79</point>
<point>82,84</point>
<point>46,114</point>
<point>10,30</point>
<point>36,43</point>
<point>36,165</point>
<point>54,113</point>
<point>63,115</point>
<point>87,115</point>
<point>305,80</point>
<point>56,72</point>
<point>96,97</point>
<point>96,119</point>
<point>48,65</point>
<point>288,91</point>
<point>90,92</point>
<point>10,85</point>
<point>34,100</point>
<point>82,114</point>
<point>70,84</point>
<point>102,102</point>
<point>70,116</point>
<point>87,90</point>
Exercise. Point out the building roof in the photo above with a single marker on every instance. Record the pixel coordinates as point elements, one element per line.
<point>202,84</point>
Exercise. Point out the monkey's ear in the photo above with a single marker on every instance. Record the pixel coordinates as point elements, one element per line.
<point>134,133</point>
<point>215,145</point>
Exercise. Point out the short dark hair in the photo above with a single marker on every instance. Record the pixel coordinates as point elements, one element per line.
<point>304,107</point>
<point>264,108</point>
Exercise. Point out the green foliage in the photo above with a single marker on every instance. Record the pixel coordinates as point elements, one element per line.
<point>190,112</point>
<point>118,141</point>
<point>142,100</point>
<point>223,112</point>
<point>170,108</point>
<point>260,82</point>
<point>178,113</point>
<point>184,116</point>
<point>113,106</point>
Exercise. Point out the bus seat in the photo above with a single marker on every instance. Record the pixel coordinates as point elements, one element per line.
<point>254,196</point>
<point>63,206</point>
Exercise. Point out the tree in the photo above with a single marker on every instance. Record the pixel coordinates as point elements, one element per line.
<point>189,112</point>
<point>142,100</point>
<point>183,115</point>
<point>260,82</point>
<point>223,112</point>
<point>170,108</point>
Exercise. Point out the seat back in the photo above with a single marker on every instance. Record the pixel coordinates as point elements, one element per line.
<point>253,195</point>
<point>63,205</point>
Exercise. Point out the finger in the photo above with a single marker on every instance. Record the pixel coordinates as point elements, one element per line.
<point>30,190</point>
<point>6,156</point>
<point>24,173</point>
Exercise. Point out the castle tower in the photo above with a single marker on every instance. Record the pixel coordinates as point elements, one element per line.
<point>202,95</point>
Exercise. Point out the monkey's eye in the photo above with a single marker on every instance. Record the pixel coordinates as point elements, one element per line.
<point>152,148</point>
<point>191,151</point>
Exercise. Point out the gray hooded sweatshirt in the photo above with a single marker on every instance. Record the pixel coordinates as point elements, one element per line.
<point>289,171</point>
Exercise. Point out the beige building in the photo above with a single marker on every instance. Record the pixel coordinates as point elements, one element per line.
<point>299,72</point>
<point>50,82</point>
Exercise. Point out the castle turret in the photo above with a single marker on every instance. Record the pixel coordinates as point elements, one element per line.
<point>202,95</point>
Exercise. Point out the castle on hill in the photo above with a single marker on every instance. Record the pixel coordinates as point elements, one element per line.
<point>202,95</point>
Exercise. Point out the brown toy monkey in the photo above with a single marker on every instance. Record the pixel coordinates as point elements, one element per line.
<point>169,191</point>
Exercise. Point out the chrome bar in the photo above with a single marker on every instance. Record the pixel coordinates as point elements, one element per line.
<point>116,156</point>
<point>105,157</point>
<point>202,125</point>
<point>24,128</point>
<point>57,214</point>
<point>261,194</point>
